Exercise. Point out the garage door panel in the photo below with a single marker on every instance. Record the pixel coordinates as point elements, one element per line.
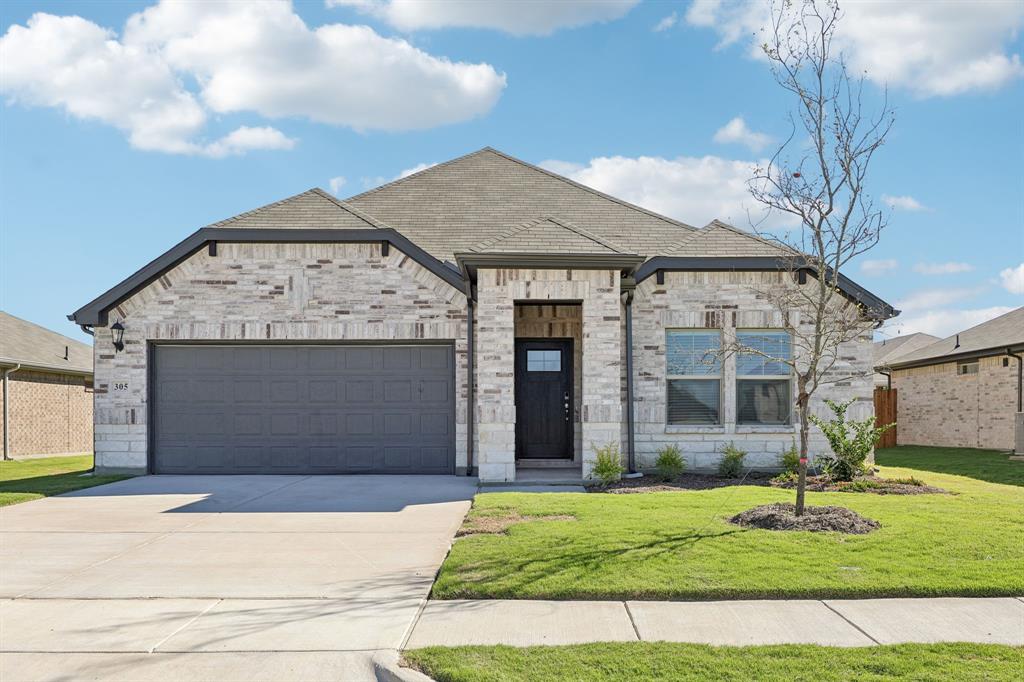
<point>303,409</point>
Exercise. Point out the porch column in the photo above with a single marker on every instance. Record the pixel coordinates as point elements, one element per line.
<point>495,371</point>
<point>602,365</point>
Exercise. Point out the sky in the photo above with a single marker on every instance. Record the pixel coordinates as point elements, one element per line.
<point>126,126</point>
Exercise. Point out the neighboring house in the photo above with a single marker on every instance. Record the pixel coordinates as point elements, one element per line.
<point>47,391</point>
<point>318,335</point>
<point>888,350</point>
<point>965,390</point>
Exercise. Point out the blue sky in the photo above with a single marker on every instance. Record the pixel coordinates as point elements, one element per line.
<point>114,146</point>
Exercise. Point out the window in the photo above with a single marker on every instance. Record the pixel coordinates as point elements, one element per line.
<point>694,376</point>
<point>543,361</point>
<point>967,368</point>
<point>763,392</point>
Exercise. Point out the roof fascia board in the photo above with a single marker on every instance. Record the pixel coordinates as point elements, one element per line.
<point>52,369</point>
<point>470,262</point>
<point>992,352</point>
<point>94,313</point>
<point>878,308</point>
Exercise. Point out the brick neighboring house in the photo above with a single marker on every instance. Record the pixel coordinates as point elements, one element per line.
<point>964,390</point>
<point>483,316</point>
<point>888,350</point>
<point>47,391</point>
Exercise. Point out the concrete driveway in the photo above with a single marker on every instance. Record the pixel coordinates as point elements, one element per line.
<point>221,577</point>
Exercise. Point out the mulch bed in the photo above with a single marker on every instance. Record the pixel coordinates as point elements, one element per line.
<point>654,484</point>
<point>499,524</point>
<point>780,516</point>
<point>865,484</point>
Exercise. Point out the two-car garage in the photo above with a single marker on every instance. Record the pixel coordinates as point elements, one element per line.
<point>302,409</point>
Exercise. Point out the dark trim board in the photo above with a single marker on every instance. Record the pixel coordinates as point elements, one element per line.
<point>95,312</point>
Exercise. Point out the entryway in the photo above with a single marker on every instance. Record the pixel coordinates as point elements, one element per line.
<point>544,400</point>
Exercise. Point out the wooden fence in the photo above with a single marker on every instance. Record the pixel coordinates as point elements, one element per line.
<point>885,413</point>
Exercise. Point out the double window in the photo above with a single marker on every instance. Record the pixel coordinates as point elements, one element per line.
<point>763,377</point>
<point>763,392</point>
<point>694,376</point>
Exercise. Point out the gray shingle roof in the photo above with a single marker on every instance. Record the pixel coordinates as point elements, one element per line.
<point>313,208</point>
<point>546,235</point>
<point>996,334</point>
<point>890,349</point>
<point>722,239</point>
<point>453,206</point>
<point>28,344</point>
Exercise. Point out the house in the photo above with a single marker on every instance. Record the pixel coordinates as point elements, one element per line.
<point>317,335</point>
<point>887,350</point>
<point>47,391</point>
<point>965,390</point>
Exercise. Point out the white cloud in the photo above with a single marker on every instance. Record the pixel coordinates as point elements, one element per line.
<point>904,203</point>
<point>243,57</point>
<point>736,131</point>
<point>926,300</point>
<point>336,183</point>
<point>376,181</point>
<point>950,268</point>
<point>415,169</point>
<point>666,23</point>
<point>694,190</point>
<point>510,16</point>
<point>1012,279</point>
<point>879,267</point>
<point>943,323</point>
<point>929,48</point>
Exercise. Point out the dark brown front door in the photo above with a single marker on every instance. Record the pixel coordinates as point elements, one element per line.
<point>543,398</point>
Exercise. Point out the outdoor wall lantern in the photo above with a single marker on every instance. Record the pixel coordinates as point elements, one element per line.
<point>117,334</point>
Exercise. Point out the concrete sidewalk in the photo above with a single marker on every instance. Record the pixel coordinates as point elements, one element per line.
<point>844,622</point>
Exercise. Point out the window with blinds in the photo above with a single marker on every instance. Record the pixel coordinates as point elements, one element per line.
<point>763,386</point>
<point>694,376</point>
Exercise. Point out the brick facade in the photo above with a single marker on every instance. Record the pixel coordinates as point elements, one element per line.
<point>937,406</point>
<point>273,292</point>
<point>726,301</point>
<point>51,413</point>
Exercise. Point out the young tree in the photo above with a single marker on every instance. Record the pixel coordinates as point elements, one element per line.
<point>817,177</point>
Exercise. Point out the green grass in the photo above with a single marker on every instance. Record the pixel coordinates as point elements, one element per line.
<point>984,465</point>
<point>679,545</point>
<point>30,479</point>
<point>608,662</point>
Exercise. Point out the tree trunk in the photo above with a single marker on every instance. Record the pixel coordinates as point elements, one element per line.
<point>801,482</point>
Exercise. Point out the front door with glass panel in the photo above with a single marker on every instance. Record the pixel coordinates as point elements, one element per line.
<point>543,370</point>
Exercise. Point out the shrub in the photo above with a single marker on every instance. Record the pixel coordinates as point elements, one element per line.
<point>608,466</point>
<point>851,441</point>
<point>731,465</point>
<point>670,462</point>
<point>790,460</point>
<point>785,477</point>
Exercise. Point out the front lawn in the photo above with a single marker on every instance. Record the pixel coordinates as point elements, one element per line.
<point>30,479</point>
<point>607,662</point>
<point>984,465</point>
<point>679,545</point>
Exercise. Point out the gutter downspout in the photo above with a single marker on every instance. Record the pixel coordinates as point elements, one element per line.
<point>888,378</point>
<point>7,411</point>
<point>1020,377</point>
<point>630,441</point>
<point>470,377</point>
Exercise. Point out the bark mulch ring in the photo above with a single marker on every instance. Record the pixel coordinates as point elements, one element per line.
<point>498,524</point>
<point>780,516</point>
<point>655,484</point>
<point>865,484</point>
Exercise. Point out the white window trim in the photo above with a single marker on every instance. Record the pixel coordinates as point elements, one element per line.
<point>788,377</point>
<point>720,377</point>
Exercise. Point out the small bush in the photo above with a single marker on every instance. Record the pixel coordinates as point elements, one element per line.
<point>790,460</point>
<point>731,465</point>
<point>608,466</point>
<point>851,441</point>
<point>785,477</point>
<point>910,480</point>
<point>670,462</point>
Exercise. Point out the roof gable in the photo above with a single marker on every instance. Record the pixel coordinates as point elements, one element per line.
<point>28,344</point>
<point>453,206</point>
<point>722,239</point>
<point>312,209</point>
<point>889,350</point>
<point>546,235</point>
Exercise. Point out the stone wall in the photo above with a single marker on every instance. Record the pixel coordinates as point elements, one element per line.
<point>274,292</point>
<point>600,406</point>
<point>51,413</point>
<point>938,407</point>
<point>726,301</point>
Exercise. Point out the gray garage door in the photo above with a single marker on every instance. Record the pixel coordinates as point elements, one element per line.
<point>303,409</point>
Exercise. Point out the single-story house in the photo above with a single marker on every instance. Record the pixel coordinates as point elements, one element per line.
<point>483,316</point>
<point>887,350</point>
<point>965,390</point>
<point>47,391</point>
